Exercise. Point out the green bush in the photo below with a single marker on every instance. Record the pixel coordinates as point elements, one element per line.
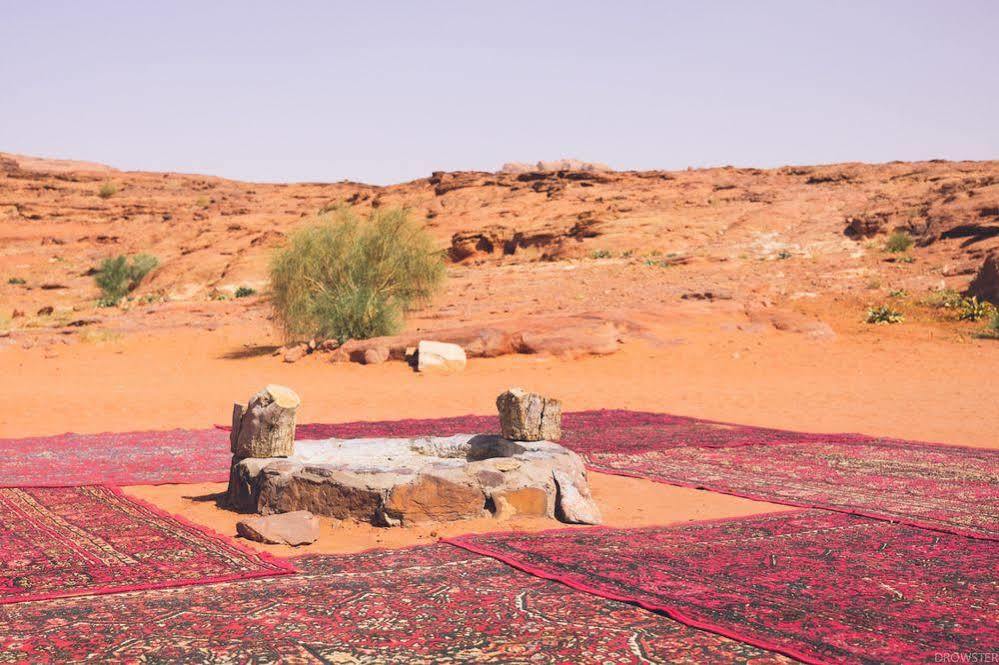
<point>107,190</point>
<point>350,278</point>
<point>601,254</point>
<point>117,277</point>
<point>884,314</point>
<point>973,309</point>
<point>245,292</point>
<point>17,281</point>
<point>898,242</point>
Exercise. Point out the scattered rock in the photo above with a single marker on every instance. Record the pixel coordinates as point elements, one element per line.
<point>266,426</point>
<point>295,353</point>
<point>985,285</point>
<point>17,314</point>
<point>528,416</point>
<point>46,311</point>
<point>376,355</point>
<point>295,528</point>
<point>439,356</point>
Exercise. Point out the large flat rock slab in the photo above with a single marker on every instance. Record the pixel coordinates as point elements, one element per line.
<point>399,481</point>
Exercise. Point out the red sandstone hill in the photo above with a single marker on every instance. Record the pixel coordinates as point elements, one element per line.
<point>522,241</point>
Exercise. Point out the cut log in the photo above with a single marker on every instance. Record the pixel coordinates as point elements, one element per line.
<point>266,426</point>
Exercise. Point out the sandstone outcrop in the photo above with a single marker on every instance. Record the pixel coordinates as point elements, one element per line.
<point>985,285</point>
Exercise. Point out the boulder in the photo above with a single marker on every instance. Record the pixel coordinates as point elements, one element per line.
<point>296,528</point>
<point>376,355</point>
<point>528,416</point>
<point>985,285</point>
<point>392,482</point>
<point>433,498</point>
<point>529,501</point>
<point>295,353</point>
<point>439,356</point>
<point>266,426</point>
<point>574,504</point>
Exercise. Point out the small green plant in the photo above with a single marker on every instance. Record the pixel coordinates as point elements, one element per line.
<point>601,254</point>
<point>973,309</point>
<point>906,259</point>
<point>17,281</point>
<point>992,330</point>
<point>107,190</point>
<point>884,314</point>
<point>345,277</point>
<point>117,277</point>
<point>944,299</point>
<point>783,255</point>
<point>898,293</point>
<point>899,242</point>
<point>245,292</point>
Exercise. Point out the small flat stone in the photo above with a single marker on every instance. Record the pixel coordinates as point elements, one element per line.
<point>296,528</point>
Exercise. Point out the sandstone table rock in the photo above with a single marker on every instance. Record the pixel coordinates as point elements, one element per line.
<point>439,356</point>
<point>296,528</point>
<point>266,426</point>
<point>402,481</point>
<point>528,416</point>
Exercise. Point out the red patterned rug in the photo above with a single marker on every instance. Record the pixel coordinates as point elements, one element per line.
<point>93,540</point>
<point>434,604</point>
<point>125,458</point>
<point>946,488</point>
<point>819,586</point>
<point>949,488</point>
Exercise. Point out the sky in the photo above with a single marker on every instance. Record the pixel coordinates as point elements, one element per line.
<point>384,92</point>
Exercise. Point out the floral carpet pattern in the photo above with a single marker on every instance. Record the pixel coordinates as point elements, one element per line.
<point>93,540</point>
<point>816,585</point>
<point>430,604</point>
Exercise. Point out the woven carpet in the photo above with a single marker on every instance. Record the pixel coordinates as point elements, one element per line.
<point>432,604</point>
<point>125,458</point>
<point>949,488</point>
<point>93,540</point>
<point>816,585</point>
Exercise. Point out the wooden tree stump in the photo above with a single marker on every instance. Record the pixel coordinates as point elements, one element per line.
<point>266,426</point>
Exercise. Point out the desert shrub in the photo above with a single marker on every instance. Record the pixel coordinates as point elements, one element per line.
<point>784,255</point>
<point>245,292</point>
<point>898,293</point>
<point>884,314</point>
<point>203,202</point>
<point>973,309</point>
<point>117,277</point>
<point>345,277</point>
<point>944,299</point>
<point>898,242</point>
<point>601,254</point>
<point>17,281</point>
<point>107,190</point>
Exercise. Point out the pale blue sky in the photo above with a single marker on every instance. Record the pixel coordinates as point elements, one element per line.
<point>389,91</point>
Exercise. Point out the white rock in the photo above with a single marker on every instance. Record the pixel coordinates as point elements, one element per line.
<point>439,356</point>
